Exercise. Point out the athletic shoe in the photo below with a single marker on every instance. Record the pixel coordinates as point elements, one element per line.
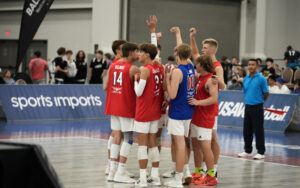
<point>111,175</point>
<point>169,174</point>
<point>196,177</point>
<point>216,175</point>
<point>208,181</point>
<point>154,181</point>
<point>141,183</point>
<point>258,156</point>
<point>129,174</point>
<point>187,177</point>
<point>244,154</point>
<point>123,178</point>
<point>173,183</point>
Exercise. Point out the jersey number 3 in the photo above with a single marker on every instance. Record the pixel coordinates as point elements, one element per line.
<point>118,79</point>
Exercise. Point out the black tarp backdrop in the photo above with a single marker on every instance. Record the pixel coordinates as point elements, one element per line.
<point>34,12</point>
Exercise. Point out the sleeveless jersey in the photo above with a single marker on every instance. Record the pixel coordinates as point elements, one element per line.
<point>162,76</point>
<point>179,107</point>
<point>204,116</point>
<point>121,98</point>
<point>148,105</point>
<point>216,64</point>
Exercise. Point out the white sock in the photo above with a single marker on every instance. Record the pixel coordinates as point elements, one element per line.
<point>121,167</point>
<point>215,168</point>
<point>204,168</point>
<point>154,172</point>
<point>173,166</point>
<point>143,174</point>
<point>113,165</point>
<point>178,176</point>
<point>186,168</point>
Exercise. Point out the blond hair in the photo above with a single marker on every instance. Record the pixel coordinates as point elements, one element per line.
<point>211,42</point>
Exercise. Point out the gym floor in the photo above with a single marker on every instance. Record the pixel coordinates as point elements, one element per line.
<point>78,152</point>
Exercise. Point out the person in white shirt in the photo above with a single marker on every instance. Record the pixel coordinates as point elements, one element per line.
<point>282,89</point>
<point>272,84</point>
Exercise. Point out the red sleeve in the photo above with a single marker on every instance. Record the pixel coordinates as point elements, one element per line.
<point>216,64</point>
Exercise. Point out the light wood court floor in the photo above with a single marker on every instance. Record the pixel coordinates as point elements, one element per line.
<point>80,163</point>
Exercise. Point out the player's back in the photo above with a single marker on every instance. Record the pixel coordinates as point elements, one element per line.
<point>121,98</point>
<point>179,107</point>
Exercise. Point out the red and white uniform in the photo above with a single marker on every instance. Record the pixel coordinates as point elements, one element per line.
<point>121,97</point>
<point>204,116</point>
<point>148,105</point>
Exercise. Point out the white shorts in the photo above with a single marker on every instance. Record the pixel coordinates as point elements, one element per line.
<point>216,123</point>
<point>163,122</point>
<point>146,127</point>
<point>200,133</point>
<point>179,127</point>
<point>121,124</point>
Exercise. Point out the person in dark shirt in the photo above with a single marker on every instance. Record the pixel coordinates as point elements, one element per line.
<point>97,67</point>
<point>235,84</point>
<point>61,66</point>
<point>227,67</point>
<point>81,66</point>
<point>268,70</point>
<point>291,57</point>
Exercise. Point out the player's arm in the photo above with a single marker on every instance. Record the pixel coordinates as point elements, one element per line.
<point>195,51</point>
<point>140,85</point>
<point>172,82</point>
<point>105,81</point>
<point>213,95</point>
<point>220,77</point>
<point>151,23</point>
<point>176,32</point>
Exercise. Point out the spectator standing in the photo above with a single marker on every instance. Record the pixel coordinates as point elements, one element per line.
<point>7,77</point>
<point>282,89</point>
<point>97,68</point>
<point>71,67</point>
<point>235,84</point>
<point>268,70</point>
<point>81,66</point>
<point>291,57</point>
<point>235,64</point>
<point>272,84</point>
<point>37,68</point>
<point>296,87</point>
<point>61,66</point>
<point>227,67</point>
<point>256,92</point>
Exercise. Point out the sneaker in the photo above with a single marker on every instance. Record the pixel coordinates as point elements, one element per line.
<point>199,179</point>
<point>141,182</point>
<point>216,175</point>
<point>173,183</point>
<point>107,170</point>
<point>196,177</point>
<point>258,156</point>
<point>208,181</point>
<point>123,178</point>
<point>154,181</point>
<point>187,177</point>
<point>244,154</point>
<point>129,174</point>
<point>111,175</point>
<point>169,174</point>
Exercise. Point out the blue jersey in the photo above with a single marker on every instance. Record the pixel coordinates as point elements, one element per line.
<point>179,107</point>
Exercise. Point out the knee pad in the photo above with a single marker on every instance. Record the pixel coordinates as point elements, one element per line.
<point>110,141</point>
<point>125,148</point>
<point>114,151</point>
<point>154,154</point>
<point>142,153</point>
<point>158,141</point>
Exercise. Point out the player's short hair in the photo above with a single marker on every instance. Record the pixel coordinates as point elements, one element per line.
<point>206,62</point>
<point>211,42</point>
<point>116,45</point>
<point>149,49</point>
<point>69,52</point>
<point>61,51</point>
<point>37,53</point>
<point>128,47</point>
<point>184,51</point>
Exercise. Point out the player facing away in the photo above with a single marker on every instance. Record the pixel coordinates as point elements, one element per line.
<point>205,102</point>
<point>148,88</point>
<point>120,105</point>
<point>210,47</point>
<point>117,49</point>
<point>180,87</point>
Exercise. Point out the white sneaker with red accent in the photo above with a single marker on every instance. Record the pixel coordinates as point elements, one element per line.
<point>258,156</point>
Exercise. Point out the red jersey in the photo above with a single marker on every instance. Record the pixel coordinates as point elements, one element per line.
<point>148,105</point>
<point>38,66</point>
<point>204,116</point>
<point>216,64</point>
<point>114,61</point>
<point>120,98</point>
<point>162,93</point>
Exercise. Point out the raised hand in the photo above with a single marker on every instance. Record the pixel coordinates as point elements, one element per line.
<point>193,32</point>
<point>175,30</point>
<point>151,22</point>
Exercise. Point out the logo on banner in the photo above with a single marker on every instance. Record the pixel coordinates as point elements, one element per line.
<point>237,109</point>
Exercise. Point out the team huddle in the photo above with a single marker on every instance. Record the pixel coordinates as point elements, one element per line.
<point>184,98</point>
